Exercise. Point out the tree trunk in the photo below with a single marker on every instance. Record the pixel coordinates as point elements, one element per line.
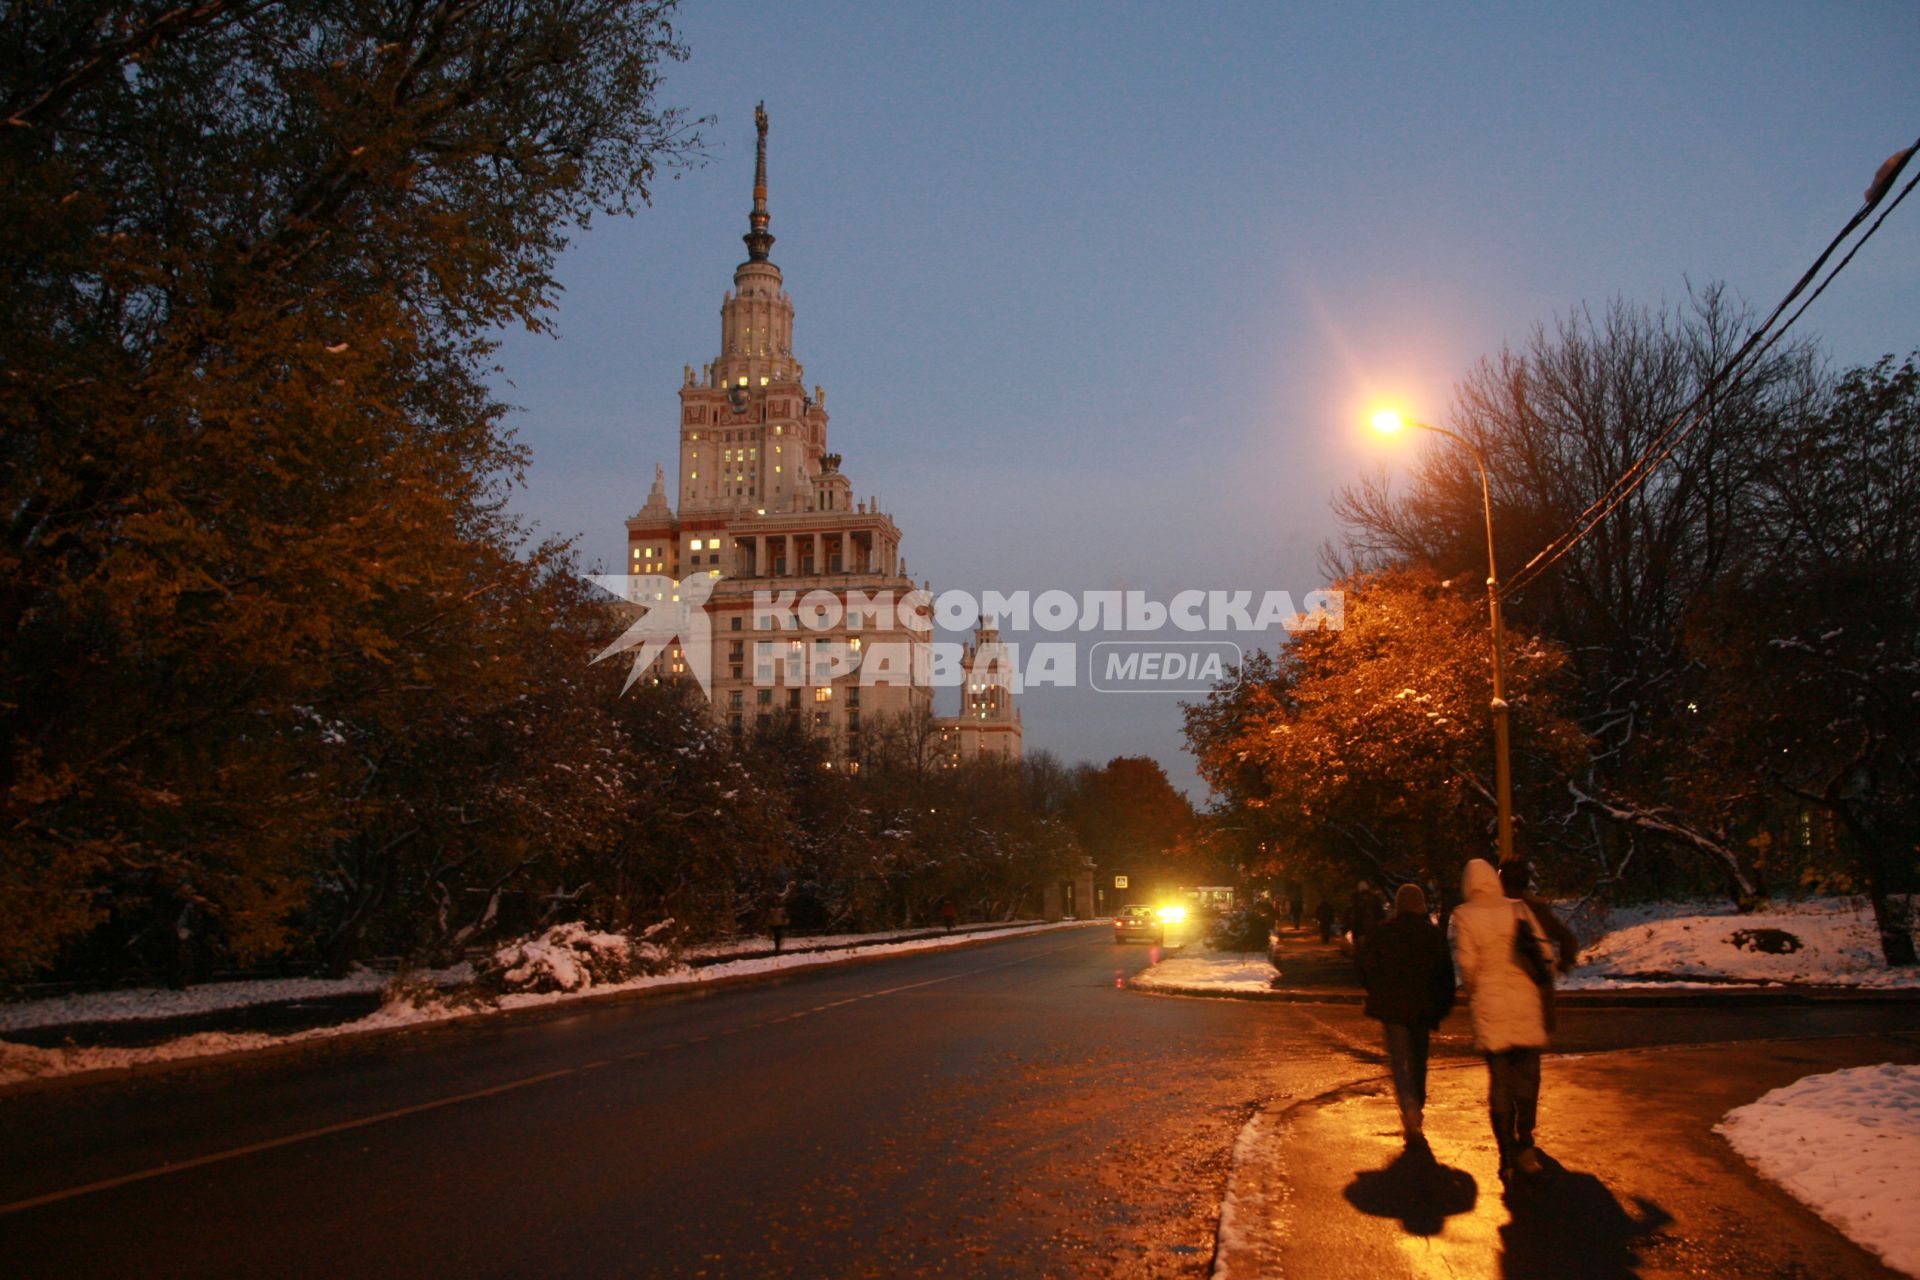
<point>1896,938</point>
<point>1875,859</point>
<point>343,948</point>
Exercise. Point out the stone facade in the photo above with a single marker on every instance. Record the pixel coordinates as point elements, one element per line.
<point>765,506</point>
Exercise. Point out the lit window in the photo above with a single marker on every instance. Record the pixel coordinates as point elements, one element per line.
<point>776,471</point>
<point>695,475</point>
<point>853,643</point>
<point>823,694</point>
<point>696,544</point>
<point>694,436</point>
<point>743,380</point>
<point>776,428</point>
<point>763,379</point>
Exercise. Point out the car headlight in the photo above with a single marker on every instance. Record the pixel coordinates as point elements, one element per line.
<point>1172,915</point>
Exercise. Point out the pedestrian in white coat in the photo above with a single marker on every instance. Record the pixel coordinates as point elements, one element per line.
<point>1508,1006</point>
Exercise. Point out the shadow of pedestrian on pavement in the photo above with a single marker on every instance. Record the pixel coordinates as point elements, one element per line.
<point>1417,1189</point>
<point>1568,1226</point>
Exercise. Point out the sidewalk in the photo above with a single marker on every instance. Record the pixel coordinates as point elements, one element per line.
<point>1638,1184</point>
<point>1315,972</point>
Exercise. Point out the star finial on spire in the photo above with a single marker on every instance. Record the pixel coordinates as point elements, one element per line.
<point>757,238</point>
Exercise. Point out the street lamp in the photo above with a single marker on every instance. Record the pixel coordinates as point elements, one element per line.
<point>1389,422</point>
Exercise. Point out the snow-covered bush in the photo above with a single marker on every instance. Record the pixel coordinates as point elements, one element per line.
<point>1244,930</point>
<point>431,991</point>
<point>572,957</point>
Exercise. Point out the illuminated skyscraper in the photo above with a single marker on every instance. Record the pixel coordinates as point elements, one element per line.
<point>765,505</point>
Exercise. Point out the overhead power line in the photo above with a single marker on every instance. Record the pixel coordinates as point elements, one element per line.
<point>1730,374</point>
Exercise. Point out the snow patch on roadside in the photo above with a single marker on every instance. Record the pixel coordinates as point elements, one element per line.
<point>1846,1144</point>
<point>20,1062</point>
<point>142,1003</point>
<point>1213,972</point>
<point>1663,947</point>
<point>1691,943</point>
<point>1253,1212</point>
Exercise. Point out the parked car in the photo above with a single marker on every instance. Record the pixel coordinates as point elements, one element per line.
<point>1139,923</point>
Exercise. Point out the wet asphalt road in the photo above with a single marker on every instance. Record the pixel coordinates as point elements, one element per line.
<point>998,1110</point>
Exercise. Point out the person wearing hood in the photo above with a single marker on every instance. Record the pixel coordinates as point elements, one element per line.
<point>1408,975</point>
<point>1498,963</point>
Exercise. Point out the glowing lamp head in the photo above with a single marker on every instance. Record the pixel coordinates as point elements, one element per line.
<point>1387,422</point>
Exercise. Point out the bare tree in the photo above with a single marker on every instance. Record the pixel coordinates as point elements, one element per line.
<point>1558,419</point>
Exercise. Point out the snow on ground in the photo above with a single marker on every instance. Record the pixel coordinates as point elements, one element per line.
<point>1835,944</point>
<point>140,1004</point>
<point>1847,1144</point>
<point>1210,971</point>
<point>1667,946</point>
<point>20,1062</point>
<point>149,1002</point>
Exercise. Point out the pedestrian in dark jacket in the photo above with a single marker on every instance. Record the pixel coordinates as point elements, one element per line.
<point>777,922</point>
<point>1364,911</point>
<point>1407,970</point>
<point>1325,916</point>
<point>1515,876</point>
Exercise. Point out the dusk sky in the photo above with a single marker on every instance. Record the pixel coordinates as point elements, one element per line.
<point>1098,293</point>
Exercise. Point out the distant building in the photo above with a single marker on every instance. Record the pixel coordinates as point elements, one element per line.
<point>988,726</point>
<point>763,504</point>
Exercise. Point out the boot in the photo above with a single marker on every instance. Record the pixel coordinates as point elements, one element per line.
<point>1503,1140</point>
<point>1526,1155</point>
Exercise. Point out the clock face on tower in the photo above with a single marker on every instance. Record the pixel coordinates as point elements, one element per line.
<point>737,397</point>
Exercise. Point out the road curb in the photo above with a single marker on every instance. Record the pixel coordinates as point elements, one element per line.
<point>1690,998</point>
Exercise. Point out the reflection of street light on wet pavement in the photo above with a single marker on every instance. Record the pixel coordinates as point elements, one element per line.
<point>1389,422</point>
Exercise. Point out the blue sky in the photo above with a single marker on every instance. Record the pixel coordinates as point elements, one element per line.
<point>1098,292</point>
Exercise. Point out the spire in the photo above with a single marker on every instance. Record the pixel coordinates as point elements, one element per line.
<point>758,240</point>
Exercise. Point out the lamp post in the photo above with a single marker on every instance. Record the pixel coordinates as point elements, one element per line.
<point>1389,422</point>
